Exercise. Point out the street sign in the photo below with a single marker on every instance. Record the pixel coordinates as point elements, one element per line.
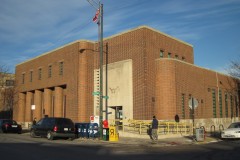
<point>105,97</point>
<point>192,103</point>
<point>95,93</point>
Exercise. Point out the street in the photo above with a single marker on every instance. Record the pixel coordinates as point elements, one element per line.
<point>23,147</point>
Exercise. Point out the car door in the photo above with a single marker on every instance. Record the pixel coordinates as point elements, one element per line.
<point>38,128</point>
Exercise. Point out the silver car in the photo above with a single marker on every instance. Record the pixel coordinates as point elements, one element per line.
<point>233,131</point>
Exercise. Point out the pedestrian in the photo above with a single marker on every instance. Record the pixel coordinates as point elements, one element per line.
<point>154,129</point>
<point>34,121</point>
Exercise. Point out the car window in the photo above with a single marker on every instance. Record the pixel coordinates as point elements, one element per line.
<point>234,125</point>
<point>50,122</point>
<point>7,121</point>
<point>39,122</point>
<point>14,122</point>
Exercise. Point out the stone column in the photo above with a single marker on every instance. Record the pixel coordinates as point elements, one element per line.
<point>28,111</point>
<point>19,114</point>
<point>38,105</point>
<point>58,104</point>
<point>48,102</point>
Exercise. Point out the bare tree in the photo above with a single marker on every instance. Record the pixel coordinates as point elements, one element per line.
<point>234,71</point>
<point>7,92</point>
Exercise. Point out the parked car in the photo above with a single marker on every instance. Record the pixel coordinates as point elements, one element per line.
<point>53,127</point>
<point>233,131</point>
<point>8,125</point>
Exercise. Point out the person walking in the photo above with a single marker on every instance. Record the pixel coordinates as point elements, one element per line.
<point>34,121</point>
<point>154,129</point>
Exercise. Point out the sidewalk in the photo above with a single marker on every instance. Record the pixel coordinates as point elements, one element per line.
<point>164,140</point>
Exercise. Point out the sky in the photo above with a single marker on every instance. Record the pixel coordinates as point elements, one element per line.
<point>29,28</point>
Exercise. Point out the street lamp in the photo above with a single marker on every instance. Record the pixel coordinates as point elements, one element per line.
<point>106,79</point>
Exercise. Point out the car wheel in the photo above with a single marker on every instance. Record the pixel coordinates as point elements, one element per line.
<point>32,134</point>
<point>49,135</point>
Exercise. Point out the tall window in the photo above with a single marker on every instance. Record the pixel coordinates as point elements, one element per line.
<point>23,78</point>
<point>231,104</point>
<point>40,73</point>
<point>183,106</point>
<point>49,71</point>
<point>31,76</point>
<point>236,102</point>
<point>161,53</point>
<point>226,105</point>
<point>220,103</point>
<point>60,68</point>
<point>214,103</point>
<point>169,55</point>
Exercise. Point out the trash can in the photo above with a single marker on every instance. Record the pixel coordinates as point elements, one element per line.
<point>106,134</point>
<point>199,134</point>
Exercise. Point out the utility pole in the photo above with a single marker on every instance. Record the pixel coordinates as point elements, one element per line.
<point>99,7</point>
<point>100,24</point>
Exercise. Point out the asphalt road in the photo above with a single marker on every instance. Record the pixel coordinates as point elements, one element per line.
<point>23,147</point>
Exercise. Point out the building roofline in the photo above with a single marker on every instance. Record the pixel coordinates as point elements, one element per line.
<point>172,59</point>
<point>110,37</point>
<point>150,28</point>
<point>43,54</point>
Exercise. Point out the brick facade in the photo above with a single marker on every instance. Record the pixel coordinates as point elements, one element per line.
<point>61,82</point>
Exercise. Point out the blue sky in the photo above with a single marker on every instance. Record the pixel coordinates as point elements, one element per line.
<point>29,28</point>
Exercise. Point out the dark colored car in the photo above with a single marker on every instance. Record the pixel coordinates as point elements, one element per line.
<point>53,127</point>
<point>8,125</point>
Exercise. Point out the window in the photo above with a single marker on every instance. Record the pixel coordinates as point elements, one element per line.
<point>40,73</point>
<point>183,58</point>
<point>220,103</point>
<point>231,104</point>
<point>49,71</point>
<point>176,56</point>
<point>60,68</point>
<point>23,78</point>
<point>31,76</point>
<point>169,55</point>
<point>214,103</point>
<point>226,105</point>
<point>161,53</point>
<point>236,103</point>
<point>9,82</point>
<point>183,106</point>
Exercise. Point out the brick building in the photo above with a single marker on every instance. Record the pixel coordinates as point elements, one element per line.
<point>149,73</point>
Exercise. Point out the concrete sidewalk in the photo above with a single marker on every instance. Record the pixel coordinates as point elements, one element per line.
<point>144,140</point>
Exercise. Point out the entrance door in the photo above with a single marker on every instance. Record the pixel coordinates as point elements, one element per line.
<point>118,115</point>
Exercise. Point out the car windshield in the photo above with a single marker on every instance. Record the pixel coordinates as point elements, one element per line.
<point>234,125</point>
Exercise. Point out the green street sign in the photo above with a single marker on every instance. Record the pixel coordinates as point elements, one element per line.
<point>105,97</point>
<point>95,93</point>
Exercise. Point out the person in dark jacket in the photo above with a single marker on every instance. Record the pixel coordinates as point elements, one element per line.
<point>154,129</point>
<point>34,121</point>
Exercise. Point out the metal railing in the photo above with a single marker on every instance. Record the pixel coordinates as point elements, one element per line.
<point>143,126</point>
